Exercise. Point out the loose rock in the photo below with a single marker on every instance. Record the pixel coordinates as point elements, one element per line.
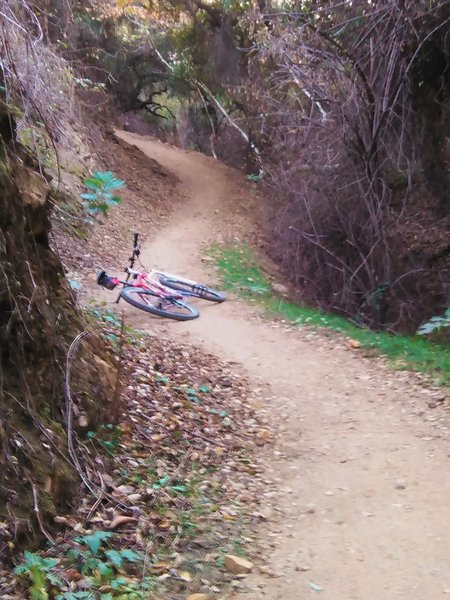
<point>237,564</point>
<point>279,288</point>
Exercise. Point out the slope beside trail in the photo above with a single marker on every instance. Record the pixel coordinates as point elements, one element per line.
<point>358,485</point>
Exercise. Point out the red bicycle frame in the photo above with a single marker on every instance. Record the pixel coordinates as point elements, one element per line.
<point>141,280</point>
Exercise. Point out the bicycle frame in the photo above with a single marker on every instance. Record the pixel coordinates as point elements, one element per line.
<point>143,280</point>
<point>157,272</point>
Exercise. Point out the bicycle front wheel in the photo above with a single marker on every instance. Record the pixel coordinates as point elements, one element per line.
<point>148,301</point>
<point>192,289</point>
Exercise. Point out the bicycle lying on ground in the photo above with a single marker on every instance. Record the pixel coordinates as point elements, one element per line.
<point>158,292</point>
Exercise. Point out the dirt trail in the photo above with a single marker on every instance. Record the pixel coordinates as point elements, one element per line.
<point>358,486</point>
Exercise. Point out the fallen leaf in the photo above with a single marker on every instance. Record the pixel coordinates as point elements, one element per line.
<point>159,567</point>
<point>72,575</point>
<point>164,524</point>
<point>315,587</point>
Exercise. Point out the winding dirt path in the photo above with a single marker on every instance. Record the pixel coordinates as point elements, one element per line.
<point>358,487</point>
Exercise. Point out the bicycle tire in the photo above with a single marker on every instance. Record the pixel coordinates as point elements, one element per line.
<point>194,289</point>
<point>140,298</point>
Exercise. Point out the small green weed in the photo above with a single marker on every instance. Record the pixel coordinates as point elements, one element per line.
<point>111,323</point>
<point>435,324</point>
<point>193,394</point>
<point>240,271</point>
<point>108,436</point>
<point>234,546</point>
<point>254,177</point>
<point>38,571</point>
<point>188,525</point>
<point>101,564</point>
<point>99,314</point>
<point>94,540</point>
<point>177,487</point>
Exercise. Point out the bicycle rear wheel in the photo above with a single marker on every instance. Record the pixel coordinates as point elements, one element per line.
<point>148,301</point>
<point>193,289</point>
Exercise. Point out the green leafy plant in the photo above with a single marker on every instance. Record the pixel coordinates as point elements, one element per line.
<point>191,395</point>
<point>188,525</point>
<point>101,196</point>
<point>127,589</point>
<point>98,561</point>
<point>102,316</point>
<point>108,436</point>
<point>178,487</point>
<point>94,540</point>
<point>38,571</point>
<point>105,569</point>
<point>435,324</point>
<point>254,177</point>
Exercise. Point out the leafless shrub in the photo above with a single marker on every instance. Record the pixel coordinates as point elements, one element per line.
<point>345,116</point>
<point>34,79</point>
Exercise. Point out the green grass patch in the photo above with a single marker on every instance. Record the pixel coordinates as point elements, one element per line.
<point>240,271</point>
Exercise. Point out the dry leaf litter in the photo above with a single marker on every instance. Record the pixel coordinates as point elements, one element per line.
<point>180,481</point>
